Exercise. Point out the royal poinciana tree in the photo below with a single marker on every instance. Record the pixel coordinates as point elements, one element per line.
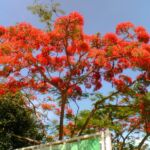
<point>66,61</point>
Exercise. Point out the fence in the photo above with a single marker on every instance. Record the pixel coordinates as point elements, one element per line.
<point>98,141</point>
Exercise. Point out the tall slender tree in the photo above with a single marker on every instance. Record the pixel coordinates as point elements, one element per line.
<point>65,61</point>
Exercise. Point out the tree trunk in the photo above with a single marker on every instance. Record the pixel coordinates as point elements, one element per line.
<point>87,121</point>
<point>61,123</point>
<point>26,139</point>
<point>94,110</point>
<point>143,140</point>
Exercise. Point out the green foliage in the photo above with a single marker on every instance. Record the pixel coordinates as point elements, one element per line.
<point>16,120</point>
<point>45,12</point>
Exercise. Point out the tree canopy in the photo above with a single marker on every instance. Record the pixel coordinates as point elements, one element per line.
<point>18,125</point>
<point>67,63</point>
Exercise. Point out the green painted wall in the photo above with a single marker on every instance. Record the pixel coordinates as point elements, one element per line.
<point>88,144</point>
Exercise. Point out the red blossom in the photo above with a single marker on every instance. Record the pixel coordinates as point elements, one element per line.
<point>98,85</point>
<point>125,78</point>
<point>47,106</point>
<point>83,47</point>
<point>124,27</point>
<point>70,124</point>
<point>69,111</point>
<point>75,16</point>
<point>110,38</point>
<point>142,34</point>
<point>57,111</point>
<point>71,50</point>
<point>56,81</point>
<point>70,91</point>
<point>2,30</point>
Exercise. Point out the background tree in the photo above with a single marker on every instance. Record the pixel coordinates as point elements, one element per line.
<point>46,12</point>
<point>18,125</point>
<point>123,120</point>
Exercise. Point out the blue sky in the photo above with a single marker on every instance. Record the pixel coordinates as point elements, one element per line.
<point>100,15</point>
